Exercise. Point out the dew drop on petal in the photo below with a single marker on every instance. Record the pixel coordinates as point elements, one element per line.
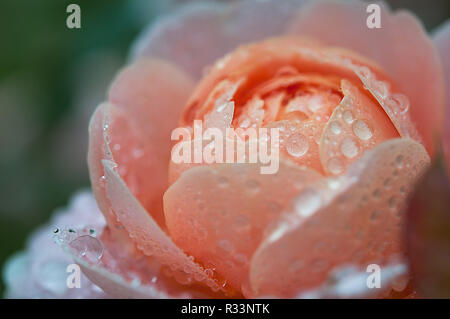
<point>399,161</point>
<point>297,145</point>
<point>335,165</point>
<point>88,247</point>
<point>307,203</point>
<point>362,130</point>
<point>348,116</point>
<point>349,147</point>
<point>335,128</point>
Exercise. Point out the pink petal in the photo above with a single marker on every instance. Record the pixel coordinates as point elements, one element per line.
<point>40,270</point>
<point>147,234</point>
<point>196,35</point>
<point>356,125</point>
<point>398,45</point>
<point>351,282</point>
<point>121,273</point>
<point>442,40</point>
<point>218,213</point>
<point>353,219</point>
<point>148,99</point>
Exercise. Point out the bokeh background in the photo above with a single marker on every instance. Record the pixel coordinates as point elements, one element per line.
<point>52,78</point>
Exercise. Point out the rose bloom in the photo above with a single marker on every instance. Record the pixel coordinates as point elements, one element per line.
<point>358,110</point>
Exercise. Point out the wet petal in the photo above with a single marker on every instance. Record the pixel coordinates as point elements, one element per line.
<point>351,282</point>
<point>355,218</point>
<point>103,269</point>
<point>147,99</point>
<point>40,270</point>
<point>399,43</point>
<point>356,125</point>
<point>219,213</point>
<point>198,34</point>
<point>147,234</point>
<point>442,40</point>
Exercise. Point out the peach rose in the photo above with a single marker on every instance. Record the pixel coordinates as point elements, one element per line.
<point>358,112</point>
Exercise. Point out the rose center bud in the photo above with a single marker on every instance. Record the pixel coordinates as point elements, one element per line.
<point>326,120</point>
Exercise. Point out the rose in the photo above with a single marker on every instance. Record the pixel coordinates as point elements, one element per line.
<point>310,231</point>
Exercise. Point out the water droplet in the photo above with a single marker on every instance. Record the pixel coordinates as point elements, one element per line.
<point>307,202</point>
<point>380,88</point>
<point>364,72</point>
<point>387,183</point>
<point>349,147</point>
<point>335,165</point>
<point>209,272</point>
<point>297,145</point>
<point>399,161</point>
<point>348,116</point>
<point>398,102</point>
<point>362,130</point>
<point>392,202</point>
<point>88,247</point>
<point>375,215</point>
<point>335,128</point>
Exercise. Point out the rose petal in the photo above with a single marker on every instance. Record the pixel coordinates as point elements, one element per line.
<point>400,43</point>
<point>350,219</point>
<point>40,270</point>
<point>103,270</point>
<point>198,34</point>
<point>148,98</point>
<point>351,282</point>
<point>218,213</point>
<point>356,125</point>
<point>442,40</point>
<point>146,233</point>
<point>120,273</point>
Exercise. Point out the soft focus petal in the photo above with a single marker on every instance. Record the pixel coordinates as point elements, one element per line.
<point>121,273</point>
<point>40,271</point>
<point>147,234</point>
<point>401,47</point>
<point>428,233</point>
<point>351,282</point>
<point>442,40</point>
<point>148,98</point>
<point>355,218</point>
<point>198,34</point>
<point>219,213</point>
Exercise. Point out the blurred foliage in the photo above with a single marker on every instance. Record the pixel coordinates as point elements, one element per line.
<point>39,60</point>
<point>39,56</point>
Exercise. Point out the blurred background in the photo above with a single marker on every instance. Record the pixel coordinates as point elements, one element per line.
<point>52,78</point>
